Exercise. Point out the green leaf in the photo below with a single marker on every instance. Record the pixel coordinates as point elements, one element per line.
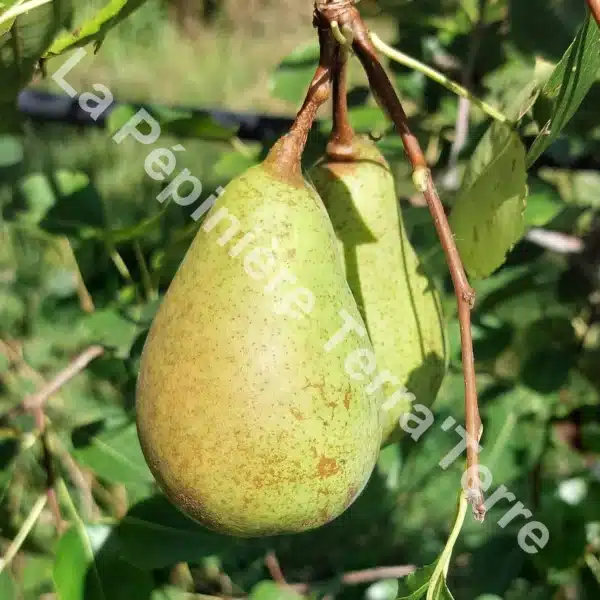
<point>543,204</point>
<point>38,196</point>
<point>95,28</point>
<point>113,454</point>
<point>8,589</point>
<point>292,77</point>
<point>232,164</point>
<point>581,188</point>
<point>173,593</point>
<point>110,329</point>
<point>176,122</point>
<point>11,152</point>
<point>77,207</point>
<point>269,590</point>
<point>488,216</point>
<point>564,91</point>
<point>21,47</point>
<point>87,567</point>
<point>386,589</point>
<point>367,119</point>
<point>416,585</point>
<point>154,535</point>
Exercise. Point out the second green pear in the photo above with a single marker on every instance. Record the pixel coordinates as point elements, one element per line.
<point>398,301</point>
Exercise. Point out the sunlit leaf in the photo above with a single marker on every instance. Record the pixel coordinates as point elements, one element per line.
<point>114,454</point>
<point>21,47</point>
<point>292,77</point>
<point>269,590</point>
<point>95,28</point>
<point>416,585</point>
<point>488,215</point>
<point>566,88</point>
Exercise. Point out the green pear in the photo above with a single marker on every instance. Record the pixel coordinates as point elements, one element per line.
<point>252,408</point>
<point>397,299</point>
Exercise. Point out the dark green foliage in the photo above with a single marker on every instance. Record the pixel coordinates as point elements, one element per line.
<point>71,224</point>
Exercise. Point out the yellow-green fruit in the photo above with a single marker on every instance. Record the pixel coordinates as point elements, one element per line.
<point>397,300</point>
<point>251,404</point>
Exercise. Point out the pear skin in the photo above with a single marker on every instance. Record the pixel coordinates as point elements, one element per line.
<point>252,409</point>
<point>398,301</point>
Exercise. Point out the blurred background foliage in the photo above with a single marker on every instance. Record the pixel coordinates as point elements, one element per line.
<point>86,252</point>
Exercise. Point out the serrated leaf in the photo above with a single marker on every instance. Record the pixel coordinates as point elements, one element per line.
<point>21,47</point>
<point>565,90</point>
<point>114,454</point>
<point>416,585</point>
<point>488,216</point>
<point>95,28</point>
<point>292,77</point>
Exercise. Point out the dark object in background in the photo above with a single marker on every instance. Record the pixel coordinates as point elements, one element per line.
<point>43,107</point>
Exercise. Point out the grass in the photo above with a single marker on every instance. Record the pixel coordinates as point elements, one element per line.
<point>148,58</point>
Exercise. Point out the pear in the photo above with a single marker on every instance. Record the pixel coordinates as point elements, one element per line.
<point>398,301</point>
<point>252,408</point>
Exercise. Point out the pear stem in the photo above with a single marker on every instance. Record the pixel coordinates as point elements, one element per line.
<point>340,146</point>
<point>594,6</point>
<point>286,155</point>
<point>348,18</point>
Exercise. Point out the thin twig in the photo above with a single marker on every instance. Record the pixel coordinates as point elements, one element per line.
<point>79,478</point>
<point>21,536</point>
<point>75,367</point>
<point>595,9</point>
<point>36,403</point>
<point>360,577</point>
<point>86,301</point>
<point>274,568</point>
<point>461,132</point>
<point>348,16</point>
<point>555,241</point>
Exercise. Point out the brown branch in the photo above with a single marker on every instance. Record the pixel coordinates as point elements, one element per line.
<point>360,577</point>
<point>594,6</point>
<point>35,405</point>
<point>274,568</point>
<point>75,367</point>
<point>346,15</point>
<point>285,156</point>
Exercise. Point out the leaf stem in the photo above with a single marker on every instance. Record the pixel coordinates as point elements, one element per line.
<point>441,569</point>
<point>149,290</point>
<point>26,528</point>
<point>449,84</point>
